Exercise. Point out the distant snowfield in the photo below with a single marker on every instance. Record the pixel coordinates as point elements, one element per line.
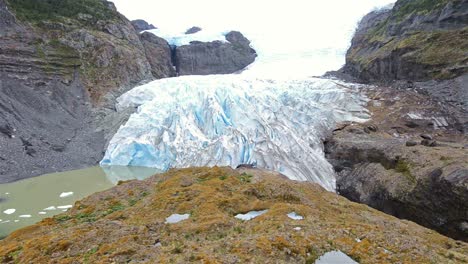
<point>295,39</point>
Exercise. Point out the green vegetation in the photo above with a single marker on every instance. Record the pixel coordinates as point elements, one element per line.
<point>244,177</point>
<point>408,7</point>
<point>403,167</point>
<point>62,218</point>
<point>56,10</point>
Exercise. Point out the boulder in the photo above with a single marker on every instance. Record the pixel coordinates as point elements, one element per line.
<point>192,30</point>
<point>142,25</point>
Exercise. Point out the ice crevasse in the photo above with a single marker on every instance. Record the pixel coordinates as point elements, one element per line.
<point>228,120</point>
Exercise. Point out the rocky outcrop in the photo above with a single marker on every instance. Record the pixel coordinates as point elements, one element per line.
<point>416,40</point>
<point>57,68</point>
<point>130,223</point>
<point>409,161</point>
<point>216,57</point>
<point>159,55</point>
<point>142,25</point>
<point>193,30</point>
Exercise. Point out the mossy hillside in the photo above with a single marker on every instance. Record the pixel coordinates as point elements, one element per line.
<point>419,7</point>
<point>436,52</point>
<point>126,224</point>
<point>36,11</point>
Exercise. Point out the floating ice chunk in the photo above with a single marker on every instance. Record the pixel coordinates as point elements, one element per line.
<point>42,213</point>
<point>9,211</point>
<point>7,193</point>
<point>66,194</point>
<point>16,221</point>
<point>334,257</point>
<point>6,221</point>
<point>25,216</point>
<point>295,216</point>
<point>250,215</point>
<point>50,208</point>
<point>65,206</point>
<point>176,218</point>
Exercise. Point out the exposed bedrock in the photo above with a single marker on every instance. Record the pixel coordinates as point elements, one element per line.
<point>416,40</point>
<point>408,161</point>
<point>216,57</point>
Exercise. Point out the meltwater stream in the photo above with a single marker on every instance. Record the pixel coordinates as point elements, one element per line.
<point>229,120</point>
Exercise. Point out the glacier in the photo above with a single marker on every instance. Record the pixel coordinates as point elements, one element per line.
<point>229,120</point>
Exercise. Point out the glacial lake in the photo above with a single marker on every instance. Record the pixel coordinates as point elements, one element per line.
<point>26,202</point>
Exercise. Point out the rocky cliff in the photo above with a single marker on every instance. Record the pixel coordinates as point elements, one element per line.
<point>132,223</point>
<point>216,57</point>
<point>410,159</point>
<point>416,40</point>
<point>60,62</point>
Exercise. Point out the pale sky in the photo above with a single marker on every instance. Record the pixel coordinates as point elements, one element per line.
<point>293,28</point>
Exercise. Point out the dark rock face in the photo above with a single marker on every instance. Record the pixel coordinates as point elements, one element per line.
<point>414,41</point>
<point>416,172</point>
<point>141,25</point>
<point>202,58</point>
<point>193,30</point>
<point>384,175</point>
<point>54,78</point>
<point>159,55</point>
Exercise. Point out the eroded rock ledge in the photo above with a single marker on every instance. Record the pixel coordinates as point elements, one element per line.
<point>409,161</point>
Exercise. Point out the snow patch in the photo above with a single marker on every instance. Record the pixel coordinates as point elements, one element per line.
<point>295,216</point>
<point>25,216</point>
<point>334,257</point>
<point>42,213</point>
<point>64,207</point>
<point>50,208</point>
<point>176,218</point>
<point>179,38</point>
<point>250,215</point>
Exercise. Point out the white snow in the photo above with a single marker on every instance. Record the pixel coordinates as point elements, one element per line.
<point>179,38</point>
<point>295,216</point>
<point>66,194</point>
<point>335,257</point>
<point>42,213</point>
<point>16,221</point>
<point>4,222</point>
<point>64,207</point>
<point>297,228</point>
<point>176,218</point>
<point>9,211</point>
<point>25,216</point>
<point>250,215</point>
<point>50,208</point>
<point>227,120</point>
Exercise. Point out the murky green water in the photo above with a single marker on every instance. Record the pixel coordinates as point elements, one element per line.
<point>26,202</point>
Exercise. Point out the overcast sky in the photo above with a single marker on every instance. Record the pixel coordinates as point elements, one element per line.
<point>289,27</point>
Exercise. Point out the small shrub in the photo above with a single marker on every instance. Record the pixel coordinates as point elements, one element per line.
<point>244,177</point>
